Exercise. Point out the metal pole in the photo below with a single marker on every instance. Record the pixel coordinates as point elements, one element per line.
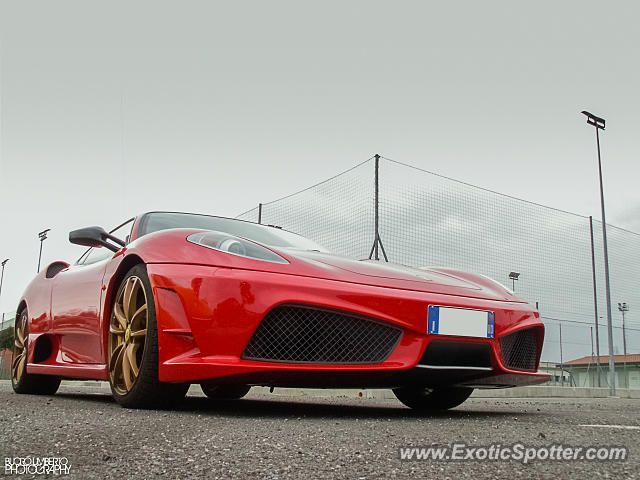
<point>595,300</point>
<point>40,255</point>
<point>1,280</point>
<point>599,123</point>
<point>561,363</point>
<point>592,354</point>
<point>376,239</point>
<point>624,350</point>
<point>377,219</point>
<point>612,374</point>
<point>259,213</point>
<point>2,276</point>
<point>43,236</point>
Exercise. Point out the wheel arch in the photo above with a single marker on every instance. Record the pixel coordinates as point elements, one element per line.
<point>127,263</point>
<point>21,306</point>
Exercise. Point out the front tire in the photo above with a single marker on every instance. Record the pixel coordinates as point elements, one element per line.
<point>133,347</point>
<point>432,399</point>
<point>21,381</point>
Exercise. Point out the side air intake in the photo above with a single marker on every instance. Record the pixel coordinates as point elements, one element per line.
<point>520,349</point>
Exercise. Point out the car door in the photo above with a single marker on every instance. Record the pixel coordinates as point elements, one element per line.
<point>75,304</point>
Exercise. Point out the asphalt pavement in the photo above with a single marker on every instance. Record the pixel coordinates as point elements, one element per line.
<point>281,437</point>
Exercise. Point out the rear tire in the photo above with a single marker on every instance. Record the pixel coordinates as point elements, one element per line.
<point>432,399</point>
<point>133,347</point>
<point>224,392</point>
<point>21,381</point>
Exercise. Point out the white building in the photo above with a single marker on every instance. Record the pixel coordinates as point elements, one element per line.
<point>583,371</point>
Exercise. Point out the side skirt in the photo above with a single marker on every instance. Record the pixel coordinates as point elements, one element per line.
<point>78,370</point>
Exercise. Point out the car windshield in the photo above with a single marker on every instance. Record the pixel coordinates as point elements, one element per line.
<point>266,235</point>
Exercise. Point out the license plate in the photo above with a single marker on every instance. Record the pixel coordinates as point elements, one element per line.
<point>461,322</point>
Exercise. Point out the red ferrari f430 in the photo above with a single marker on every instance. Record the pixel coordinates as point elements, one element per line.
<point>170,299</point>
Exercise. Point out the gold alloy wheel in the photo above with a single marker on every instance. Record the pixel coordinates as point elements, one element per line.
<point>19,348</point>
<point>127,334</point>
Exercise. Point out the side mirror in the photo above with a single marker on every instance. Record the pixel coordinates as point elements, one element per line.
<point>95,237</point>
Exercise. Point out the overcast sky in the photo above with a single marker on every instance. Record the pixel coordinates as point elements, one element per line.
<point>110,109</point>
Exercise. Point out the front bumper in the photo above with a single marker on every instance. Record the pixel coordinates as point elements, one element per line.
<point>207,315</point>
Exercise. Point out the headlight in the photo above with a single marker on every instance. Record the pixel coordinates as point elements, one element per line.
<point>224,242</point>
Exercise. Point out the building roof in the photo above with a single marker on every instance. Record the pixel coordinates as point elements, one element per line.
<point>604,359</point>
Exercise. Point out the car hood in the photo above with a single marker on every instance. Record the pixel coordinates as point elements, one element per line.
<point>372,272</point>
<point>170,246</point>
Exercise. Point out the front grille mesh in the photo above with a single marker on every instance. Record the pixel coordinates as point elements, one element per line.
<point>301,334</point>
<point>520,349</point>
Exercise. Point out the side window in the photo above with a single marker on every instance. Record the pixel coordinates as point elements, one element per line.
<point>97,254</point>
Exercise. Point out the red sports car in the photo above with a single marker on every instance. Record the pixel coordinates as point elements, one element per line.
<point>169,299</point>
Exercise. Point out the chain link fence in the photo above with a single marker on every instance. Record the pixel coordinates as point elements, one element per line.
<point>426,219</point>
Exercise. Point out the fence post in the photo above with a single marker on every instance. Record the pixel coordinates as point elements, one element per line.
<point>595,299</point>
<point>376,239</point>
<point>591,382</point>
<point>259,213</point>
<point>561,362</point>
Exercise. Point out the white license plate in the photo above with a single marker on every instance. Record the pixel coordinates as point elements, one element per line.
<point>462,322</point>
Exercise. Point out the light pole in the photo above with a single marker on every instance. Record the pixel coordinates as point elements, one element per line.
<point>513,276</point>
<point>595,300</point>
<point>623,307</point>
<point>4,262</point>
<point>43,237</point>
<point>599,124</point>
